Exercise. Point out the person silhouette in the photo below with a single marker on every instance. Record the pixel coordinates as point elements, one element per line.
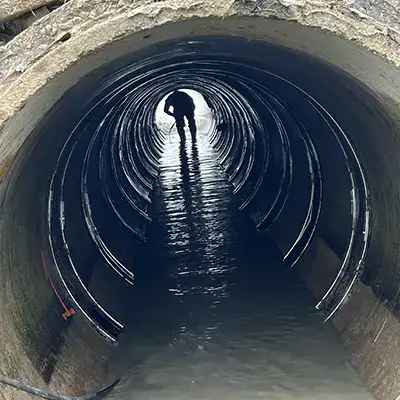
<point>183,106</point>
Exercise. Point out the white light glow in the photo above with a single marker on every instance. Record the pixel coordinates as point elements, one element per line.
<point>202,113</point>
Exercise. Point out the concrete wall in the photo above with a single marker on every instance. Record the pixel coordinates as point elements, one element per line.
<point>366,325</point>
<point>10,9</point>
<point>43,62</point>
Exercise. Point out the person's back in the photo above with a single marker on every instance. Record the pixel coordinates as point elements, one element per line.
<point>181,102</point>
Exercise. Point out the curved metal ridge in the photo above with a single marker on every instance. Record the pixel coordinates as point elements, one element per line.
<point>266,149</point>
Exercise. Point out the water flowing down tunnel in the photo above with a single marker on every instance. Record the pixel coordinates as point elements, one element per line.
<point>255,262</point>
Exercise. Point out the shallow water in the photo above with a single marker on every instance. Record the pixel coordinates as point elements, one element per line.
<point>217,315</point>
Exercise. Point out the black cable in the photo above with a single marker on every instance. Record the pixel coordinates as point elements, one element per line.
<point>49,396</point>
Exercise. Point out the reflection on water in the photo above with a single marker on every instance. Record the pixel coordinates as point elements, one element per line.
<point>196,222</point>
<point>220,317</point>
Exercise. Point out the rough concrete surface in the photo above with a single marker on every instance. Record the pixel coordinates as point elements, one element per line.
<point>372,335</point>
<point>367,327</point>
<point>10,9</point>
<point>35,16</point>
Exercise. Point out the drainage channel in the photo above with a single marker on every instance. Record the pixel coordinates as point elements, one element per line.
<point>274,173</point>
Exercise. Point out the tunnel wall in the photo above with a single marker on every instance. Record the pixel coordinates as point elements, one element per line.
<point>31,82</point>
<point>10,9</point>
<point>366,324</point>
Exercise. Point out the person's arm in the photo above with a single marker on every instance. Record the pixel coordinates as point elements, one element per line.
<point>167,107</point>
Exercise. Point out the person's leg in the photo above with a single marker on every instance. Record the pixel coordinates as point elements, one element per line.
<point>180,126</point>
<point>192,125</point>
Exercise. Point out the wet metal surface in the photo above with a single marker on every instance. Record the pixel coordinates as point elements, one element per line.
<point>221,316</point>
<point>96,228</point>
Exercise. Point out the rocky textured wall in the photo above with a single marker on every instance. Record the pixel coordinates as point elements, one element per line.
<point>10,9</point>
<point>16,16</point>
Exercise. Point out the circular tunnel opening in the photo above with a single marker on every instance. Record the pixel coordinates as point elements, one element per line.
<point>210,267</point>
<point>202,113</point>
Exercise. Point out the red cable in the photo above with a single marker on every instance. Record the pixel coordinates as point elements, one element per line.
<point>46,272</point>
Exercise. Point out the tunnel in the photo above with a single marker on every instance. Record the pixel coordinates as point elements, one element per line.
<point>256,260</point>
